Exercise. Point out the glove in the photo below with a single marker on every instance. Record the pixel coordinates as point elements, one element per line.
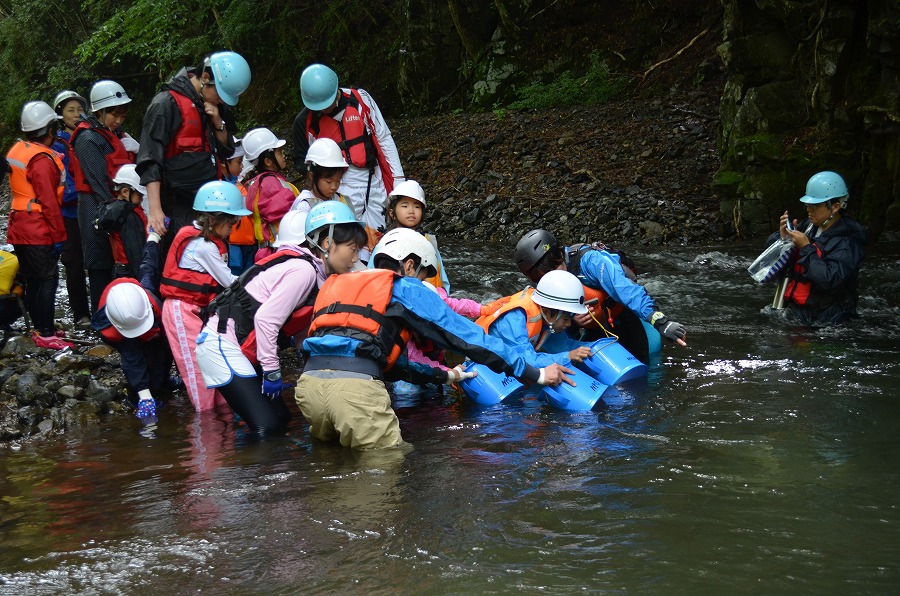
<point>458,374</point>
<point>146,408</point>
<point>57,249</point>
<point>272,385</point>
<point>671,330</point>
<point>129,143</point>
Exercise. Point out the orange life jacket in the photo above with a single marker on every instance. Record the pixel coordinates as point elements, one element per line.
<point>533,318</point>
<point>353,305</point>
<point>111,334</point>
<point>798,290</point>
<point>194,287</point>
<point>24,198</point>
<point>238,305</point>
<point>114,160</point>
<point>191,136</point>
<point>242,234</point>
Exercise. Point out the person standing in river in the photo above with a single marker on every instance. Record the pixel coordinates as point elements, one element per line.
<point>186,135</point>
<point>618,304</point>
<point>351,118</point>
<point>822,283</point>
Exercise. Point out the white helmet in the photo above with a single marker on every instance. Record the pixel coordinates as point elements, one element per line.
<point>238,148</point>
<point>36,115</point>
<point>411,189</point>
<point>400,243</point>
<point>292,229</point>
<point>128,309</point>
<point>128,175</point>
<point>107,94</point>
<point>258,141</point>
<point>325,153</point>
<point>560,290</point>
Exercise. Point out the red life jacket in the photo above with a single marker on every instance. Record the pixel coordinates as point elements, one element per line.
<point>798,290</point>
<point>235,303</point>
<point>353,305</point>
<point>191,136</point>
<point>194,287</point>
<point>351,132</point>
<point>24,198</point>
<point>114,160</point>
<point>111,334</point>
<point>533,319</point>
<point>115,239</point>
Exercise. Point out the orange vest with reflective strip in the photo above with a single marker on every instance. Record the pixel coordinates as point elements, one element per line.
<point>353,305</point>
<point>24,198</point>
<point>533,318</point>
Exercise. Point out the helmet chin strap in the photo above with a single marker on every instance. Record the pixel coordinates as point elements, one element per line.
<point>827,222</point>
<point>549,322</point>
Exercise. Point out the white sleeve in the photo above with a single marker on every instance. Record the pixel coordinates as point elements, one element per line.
<point>207,256</point>
<point>383,135</point>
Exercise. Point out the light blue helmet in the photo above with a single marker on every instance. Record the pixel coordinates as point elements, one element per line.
<point>219,196</point>
<point>327,213</point>
<point>825,186</point>
<point>231,75</point>
<point>318,87</point>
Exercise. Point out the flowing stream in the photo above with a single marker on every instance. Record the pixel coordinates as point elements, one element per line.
<point>761,458</point>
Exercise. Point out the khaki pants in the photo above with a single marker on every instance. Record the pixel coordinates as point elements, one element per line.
<point>357,411</point>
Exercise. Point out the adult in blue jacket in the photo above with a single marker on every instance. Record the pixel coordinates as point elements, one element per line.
<point>615,301</point>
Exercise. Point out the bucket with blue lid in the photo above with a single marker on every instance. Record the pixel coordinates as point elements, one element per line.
<point>488,387</point>
<point>582,397</point>
<point>610,363</point>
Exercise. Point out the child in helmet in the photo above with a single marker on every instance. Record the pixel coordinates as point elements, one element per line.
<point>130,320</point>
<point>242,242</point>
<point>36,228</point>
<point>97,140</point>
<point>269,194</point>
<point>69,105</point>
<point>406,209</point>
<point>125,221</point>
<point>360,328</point>
<point>821,282</point>
<point>325,167</point>
<point>274,295</point>
<point>196,269</point>
<point>533,322</point>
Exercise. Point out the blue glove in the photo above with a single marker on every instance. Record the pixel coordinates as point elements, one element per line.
<point>146,410</point>
<point>57,249</point>
<point>272,385</point>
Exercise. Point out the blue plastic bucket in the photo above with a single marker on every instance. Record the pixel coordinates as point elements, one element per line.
<point>582,397</point>
<point>654,339</point>
<point>611,363</point>
<point>488,387</point>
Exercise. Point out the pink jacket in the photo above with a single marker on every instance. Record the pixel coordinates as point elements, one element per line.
<point>461,306</point>
<point>281,290</point>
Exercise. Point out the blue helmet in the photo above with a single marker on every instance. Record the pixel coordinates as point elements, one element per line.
<point>318,87</point>
<point>219,196</point>
<point>231,75</point>
<point>327,213</point>
<point>825,186</point>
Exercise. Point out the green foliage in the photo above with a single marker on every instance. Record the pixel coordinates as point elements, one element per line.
<point>595,87</point>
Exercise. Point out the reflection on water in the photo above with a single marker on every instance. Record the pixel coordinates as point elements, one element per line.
<point>760,458</point>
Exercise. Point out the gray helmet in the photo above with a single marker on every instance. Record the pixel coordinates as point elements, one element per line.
<point>63,96</point>
<point>532,247</point>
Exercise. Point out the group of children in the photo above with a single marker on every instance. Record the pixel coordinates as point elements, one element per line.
<point>263,264</point>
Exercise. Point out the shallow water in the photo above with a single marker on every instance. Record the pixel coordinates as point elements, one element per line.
<point>758,459</point>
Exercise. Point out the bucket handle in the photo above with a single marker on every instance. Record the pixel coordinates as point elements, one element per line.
<point>605,330</point>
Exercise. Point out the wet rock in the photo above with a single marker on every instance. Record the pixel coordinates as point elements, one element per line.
<point>19,346</point>
<point>69,392</point>
<point>99,393</point>
<point>45,426</point>
<point>100,351</point>
<point>651,229</point>
<point>29,415</point>
<point>79,413</point>
<point>10,429</point>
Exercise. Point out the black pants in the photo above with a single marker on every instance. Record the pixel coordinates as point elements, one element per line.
<point>264,417</point>
<point>146,364</point>
<point>38,267</point>
<point>72,259</point>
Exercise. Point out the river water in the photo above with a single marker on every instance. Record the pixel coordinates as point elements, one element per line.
<point>758,459</point>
